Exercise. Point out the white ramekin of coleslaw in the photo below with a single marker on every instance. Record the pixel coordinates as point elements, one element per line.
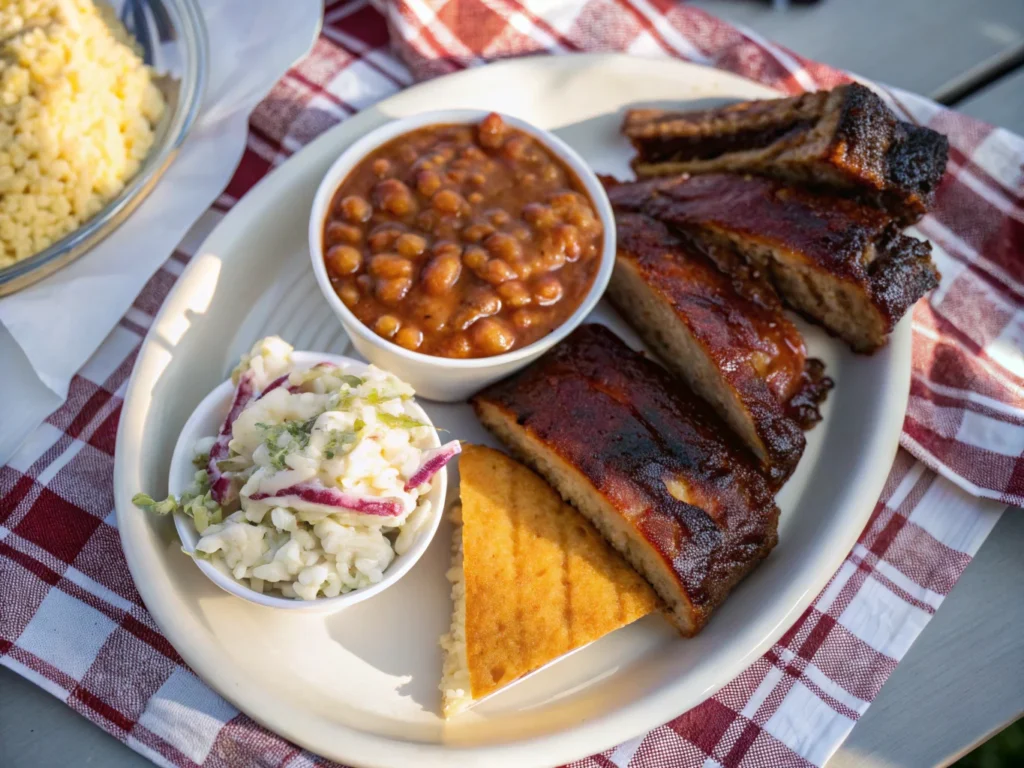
<point>307,481</point>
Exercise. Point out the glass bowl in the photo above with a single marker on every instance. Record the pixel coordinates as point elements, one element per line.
<point>171,36</point>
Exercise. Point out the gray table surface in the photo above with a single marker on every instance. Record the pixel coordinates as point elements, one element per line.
<point>926,46</point>
<point>1001,103</point>
<point>964,677</point>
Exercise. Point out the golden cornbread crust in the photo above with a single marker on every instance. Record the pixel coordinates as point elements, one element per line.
<point>540,581</point>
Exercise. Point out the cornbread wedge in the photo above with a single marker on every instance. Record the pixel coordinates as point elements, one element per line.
<point>531,580</point>
<point>646,461</point>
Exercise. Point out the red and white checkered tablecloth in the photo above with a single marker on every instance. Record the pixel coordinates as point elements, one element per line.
<point>70,617</point>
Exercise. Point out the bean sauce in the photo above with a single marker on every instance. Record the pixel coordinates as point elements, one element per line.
<point>462,240</point>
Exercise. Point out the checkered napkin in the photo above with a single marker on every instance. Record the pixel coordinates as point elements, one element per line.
<point>72,621</point>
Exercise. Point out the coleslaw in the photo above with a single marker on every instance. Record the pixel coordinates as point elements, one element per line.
<point>316,479</point>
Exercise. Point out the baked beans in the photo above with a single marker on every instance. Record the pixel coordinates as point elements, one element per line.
<point>462,240</point>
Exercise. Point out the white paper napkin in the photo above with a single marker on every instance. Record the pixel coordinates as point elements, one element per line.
<point>49,330</point>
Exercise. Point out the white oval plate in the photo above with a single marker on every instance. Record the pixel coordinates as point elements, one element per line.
<point>360,686</point>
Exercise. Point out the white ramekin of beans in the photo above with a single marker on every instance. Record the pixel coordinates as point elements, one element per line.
<point>458,246</point>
